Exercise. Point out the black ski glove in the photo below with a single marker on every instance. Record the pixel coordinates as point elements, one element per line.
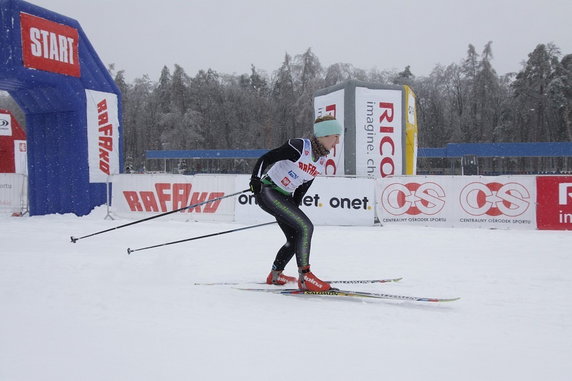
<point>255,184</point>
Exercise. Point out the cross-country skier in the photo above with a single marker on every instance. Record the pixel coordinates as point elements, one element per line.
<point>280,179</point>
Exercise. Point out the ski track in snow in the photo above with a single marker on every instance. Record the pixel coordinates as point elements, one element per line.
<point>88,311</point>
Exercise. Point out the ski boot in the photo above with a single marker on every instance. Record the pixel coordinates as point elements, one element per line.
<point>308,281</point>
<point>276,277</point>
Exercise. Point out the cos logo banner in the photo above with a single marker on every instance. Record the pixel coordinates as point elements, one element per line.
<point>495,199</point>
<point>413,199</point>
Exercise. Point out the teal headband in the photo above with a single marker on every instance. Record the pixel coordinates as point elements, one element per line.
<point>327,127</point>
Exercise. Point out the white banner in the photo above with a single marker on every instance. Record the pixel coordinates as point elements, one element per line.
<point>5,125</point>
<point>102,135</point>
<point>502,202</point>
<point>13,193</point>
<point>379,129</point>
<point>138,196</point>
<point>329,201</point>
<point>21,156</point>
<point>333,104</point>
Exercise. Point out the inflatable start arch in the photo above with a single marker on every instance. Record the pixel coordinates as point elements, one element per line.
<point>71,103</point>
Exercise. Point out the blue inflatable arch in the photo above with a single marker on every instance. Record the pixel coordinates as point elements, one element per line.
<point>71,103</point>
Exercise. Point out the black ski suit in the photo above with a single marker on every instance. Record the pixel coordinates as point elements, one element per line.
<point>296,226</point>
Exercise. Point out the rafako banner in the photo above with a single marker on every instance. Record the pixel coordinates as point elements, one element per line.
<point>102,135</point>
<point>137,196</point>
<point>503,202</point>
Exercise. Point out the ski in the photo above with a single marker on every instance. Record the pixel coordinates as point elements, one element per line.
<point>356,281</point>
<point>357,294</point>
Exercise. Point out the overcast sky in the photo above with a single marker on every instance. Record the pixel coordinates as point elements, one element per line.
<point>141,36</point>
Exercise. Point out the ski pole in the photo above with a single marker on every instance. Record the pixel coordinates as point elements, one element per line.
<point>74,239</point>
<point>129,251</point>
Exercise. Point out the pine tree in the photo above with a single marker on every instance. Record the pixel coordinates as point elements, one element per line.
<point>308,78</point>
<point>560,95</point>
<point>283,101</point>
<point>530,88</point>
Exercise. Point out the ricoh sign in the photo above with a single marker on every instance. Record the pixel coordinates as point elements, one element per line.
<point>379,150</point>
<point>380,129</point>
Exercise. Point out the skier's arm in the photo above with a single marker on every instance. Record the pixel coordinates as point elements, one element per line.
<point>291,150</point>
<point>300,192</point>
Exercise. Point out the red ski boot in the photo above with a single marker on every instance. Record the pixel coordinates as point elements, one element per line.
<point>308,281</point>
<point>276,277</point>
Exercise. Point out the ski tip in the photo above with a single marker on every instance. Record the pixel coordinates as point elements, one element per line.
<point>73,239</point>
<point>439,300</point>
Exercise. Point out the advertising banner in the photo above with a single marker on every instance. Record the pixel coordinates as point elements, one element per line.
<point>138,196</point>
<point>13,193</point>
<point>5,124</point>
<point>49,46</point>
<point>21,156</point>
<point>502,202</point>
<point>102,135</point>
<point>329,201</point>
<point>378,114</point>
<point>333,104</point>
<point>554,202</point>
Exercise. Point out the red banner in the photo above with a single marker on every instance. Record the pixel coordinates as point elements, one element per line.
<point>49,46</point>
<point>554,202</point>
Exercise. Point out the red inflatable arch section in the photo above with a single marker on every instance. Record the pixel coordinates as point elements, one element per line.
<point>12,143</point>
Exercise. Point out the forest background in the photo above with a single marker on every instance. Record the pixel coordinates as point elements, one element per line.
<point>465,102</point>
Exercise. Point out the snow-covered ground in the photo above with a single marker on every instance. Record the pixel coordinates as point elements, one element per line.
<point>90,312</point>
